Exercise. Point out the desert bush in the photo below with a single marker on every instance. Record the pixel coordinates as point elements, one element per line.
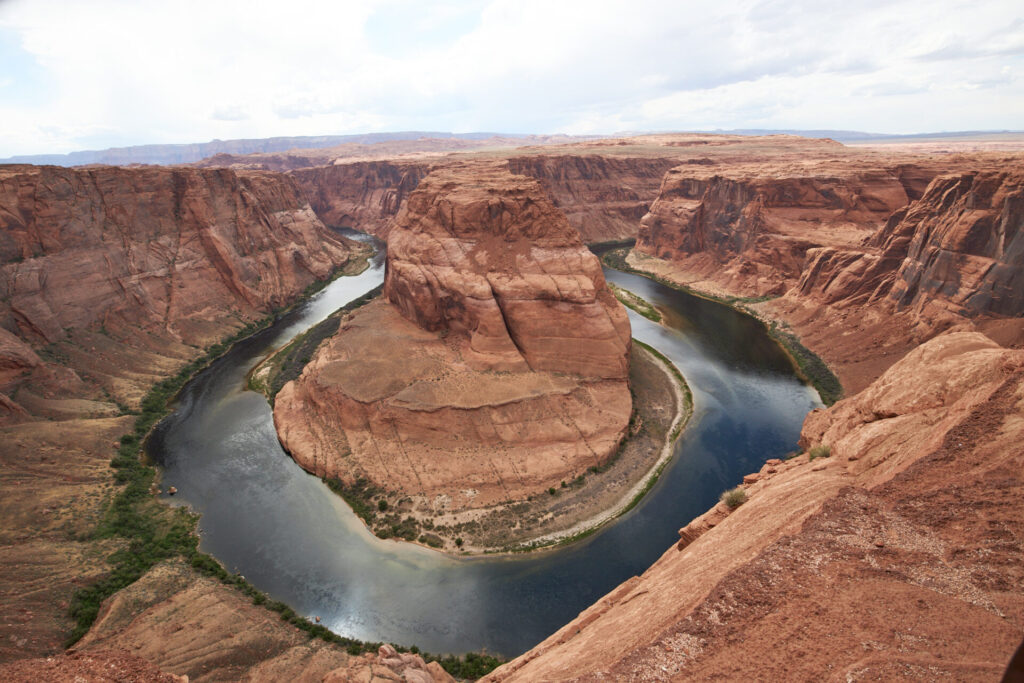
<point>734,497</point>
<point>821,451</point>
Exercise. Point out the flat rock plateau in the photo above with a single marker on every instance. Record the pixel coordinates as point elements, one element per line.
<point>892,547</point>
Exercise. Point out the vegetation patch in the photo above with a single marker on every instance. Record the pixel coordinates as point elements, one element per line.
<point>639,305</point>
<point>733,498</point>
<point>811,367</point>
<point>288,363</point>
<point>822,451</point>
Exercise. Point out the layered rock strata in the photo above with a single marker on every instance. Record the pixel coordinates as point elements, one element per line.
<point>603,196</point>
<point>155,259</point>
<point>111,280</point>
<point>494,367</point>
<point>365,196</point>
<point>752,231</point>
<point>958,250</point>
<point>893,554</point>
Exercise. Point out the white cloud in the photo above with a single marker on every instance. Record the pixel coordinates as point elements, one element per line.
<point>134,72</point>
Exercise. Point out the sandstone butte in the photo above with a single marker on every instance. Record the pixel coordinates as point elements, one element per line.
<point>495,367</point>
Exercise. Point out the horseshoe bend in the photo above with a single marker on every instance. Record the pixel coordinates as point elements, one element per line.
<point>493,396</point>
<point>494,367</point>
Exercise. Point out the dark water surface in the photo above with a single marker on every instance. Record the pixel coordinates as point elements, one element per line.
<point>281,528</point>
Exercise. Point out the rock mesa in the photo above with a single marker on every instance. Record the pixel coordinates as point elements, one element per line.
<point>495,366</point>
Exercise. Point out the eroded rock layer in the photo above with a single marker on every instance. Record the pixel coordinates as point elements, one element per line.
<point>603,196</point>
<point>752,231</point>
<point>364,195</point>
<point>152,258</point>
<point>495,367</point>
<point>958,250</point>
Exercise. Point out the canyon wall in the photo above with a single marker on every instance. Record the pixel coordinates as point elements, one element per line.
<point>160,260</point>
<point>603,196</point>
<point>863,263</point>
<point>495,368</point>
<point>958,250</point>
<point>111,280</point>
<point>751,231</point>
<point>364,196</point>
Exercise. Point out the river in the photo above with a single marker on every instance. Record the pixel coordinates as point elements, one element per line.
<point>281,528</point>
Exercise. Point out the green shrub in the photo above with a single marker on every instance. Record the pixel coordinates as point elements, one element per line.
<point>734,497</point>
<point>821,451</point>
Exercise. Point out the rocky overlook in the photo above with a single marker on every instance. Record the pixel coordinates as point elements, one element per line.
<point>495,367</point>
<point>897,536</point>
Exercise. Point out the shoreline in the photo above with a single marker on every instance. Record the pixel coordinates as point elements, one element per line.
<point>546,542</point>
<point>808,366</point>
<point>635,494</point>
<point>137,500</point>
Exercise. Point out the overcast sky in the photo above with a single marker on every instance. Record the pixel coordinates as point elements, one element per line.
<point>89,74</point>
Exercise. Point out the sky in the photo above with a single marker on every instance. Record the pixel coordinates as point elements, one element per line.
<point>93,74</point>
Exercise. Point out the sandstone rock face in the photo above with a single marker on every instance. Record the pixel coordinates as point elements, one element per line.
<point>899,539</point>
<point>365,196</point>
<point>959,250</point>
<point>158,247</point>
<point>496,367</point>
<point>604,197</point>
<point>488,256</point>
<point>752,232</point>
<point>966,245</point>
<point>145,263</point>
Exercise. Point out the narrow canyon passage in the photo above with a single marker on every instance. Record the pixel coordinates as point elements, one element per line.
<point>290,536</point>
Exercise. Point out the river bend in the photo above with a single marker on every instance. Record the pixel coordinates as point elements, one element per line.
<point>281,528</point>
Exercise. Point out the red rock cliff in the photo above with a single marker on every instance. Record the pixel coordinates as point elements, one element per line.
<point>751,231</point>
<point>153,258</point>
<point>603,196</point>
<point>364,196</point>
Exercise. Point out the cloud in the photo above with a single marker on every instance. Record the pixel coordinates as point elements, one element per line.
<point>191,70</point>
<point>230,112</point>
